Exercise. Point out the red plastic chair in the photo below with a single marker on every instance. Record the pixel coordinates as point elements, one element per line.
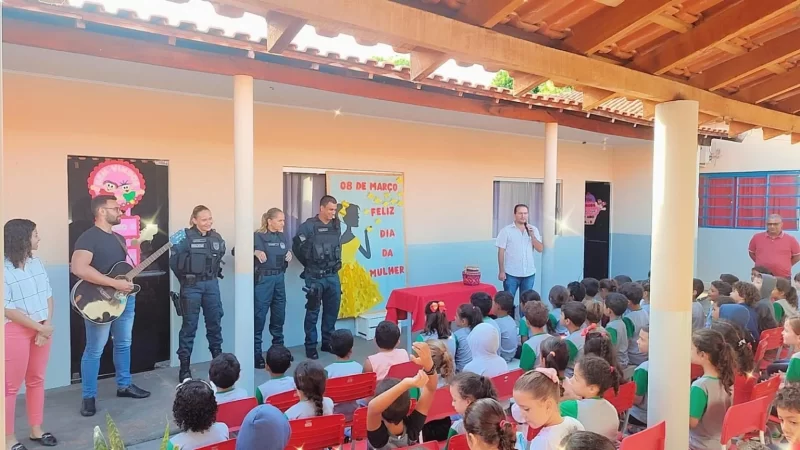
<point>430,445</point>
<point>403,370</point>
<point>284,400</point>
<point>351,388</point>
<point>743,388</point>
<point>761,352</point>
<point>316,433</point>
<point>696,372</point>
<point>768,388</point>
<point>358,428</point>
<point>745,418</point>
<point>504,384</point>
<point>774,338</point>
<point>230,444</point>
<point>458,442</point>
<point>442,405</point>
<point>650,439</point>
<point>232,413</point>
<point>623,402</point>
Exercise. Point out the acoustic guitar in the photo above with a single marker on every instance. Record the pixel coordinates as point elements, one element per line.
<point>104,304</point>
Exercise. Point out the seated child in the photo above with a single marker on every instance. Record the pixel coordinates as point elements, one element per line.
<point>619,329</point>
<point>437,430</point>
<point>224,373</point>
<point>487,427</point>
<point>389,425</point>
<point>559,296</point>
<point>638,317</point>
<point>537,393</point>
<point>573,314</point>
<point>437,326</point>
<point>278,361</point>
<point>537,317</point>
<point>736,336</point>
<point>466,388</point>
<point>595,311</point>
<point>791,338</point>
<point>599,344</point>
<point>577,293</point>
<point>796,281</point>
<point>504,308</point>
<point>728,278</point>
<point>264,427</point>
<point>638,415</point>
<point>524,298</point>
<point>592,287</point>
<point>710,394</point>
<point>785,296</point>
<point>593,377</point>
<point>555,355</point>
<point>387,335</point>
<point>310,379</point>
<point>586,440</point>
<point>195,413</point>
<point>698,307</point>
<point>607,286</point>
<point>646,296</point>
<point>468,317</point>
<point>484,302</point>
<point>622,279</point>
<point>747,295</point>
<point>342,347</point>
<point>788,404</point>
<point>717,290</point>
<point>484,340</point>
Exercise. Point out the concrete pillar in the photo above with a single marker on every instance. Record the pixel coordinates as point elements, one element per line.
<point>243,219</point>
<point>549,206</point>
<point>672,260</point>
<point>2,241</point>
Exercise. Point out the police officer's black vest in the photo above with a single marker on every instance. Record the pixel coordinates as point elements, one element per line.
<point>275,243</point>
<point>325,247</point>
<point>204,254</point>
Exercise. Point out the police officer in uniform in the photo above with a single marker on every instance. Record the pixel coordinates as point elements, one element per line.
<point>272,257</point>
<point>317,246</point>
<point>197,263</point>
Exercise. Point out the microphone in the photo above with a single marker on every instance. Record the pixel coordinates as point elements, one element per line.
<point>527,229</point>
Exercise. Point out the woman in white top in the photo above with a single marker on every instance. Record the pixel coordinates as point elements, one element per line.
<point>28,310</point>
<point>484,340</point>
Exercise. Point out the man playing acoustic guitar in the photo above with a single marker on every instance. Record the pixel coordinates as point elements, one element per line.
<point>96,252</point>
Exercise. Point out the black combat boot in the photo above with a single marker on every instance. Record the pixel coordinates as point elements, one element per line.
<point>185,371</point>
<point>259,362</point>
<point>215,352</point>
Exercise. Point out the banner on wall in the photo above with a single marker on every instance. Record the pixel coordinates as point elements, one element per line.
<point>371,210</point>
<point>593,207</point>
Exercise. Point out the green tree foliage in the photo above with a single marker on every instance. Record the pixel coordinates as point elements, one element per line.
<point>396,60</point>
<point>504,80</point>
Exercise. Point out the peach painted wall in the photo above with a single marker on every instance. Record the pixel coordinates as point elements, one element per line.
<point>448,171</point>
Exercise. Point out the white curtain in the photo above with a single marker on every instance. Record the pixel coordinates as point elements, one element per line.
<point>507,194</point>
<point>301,195</point>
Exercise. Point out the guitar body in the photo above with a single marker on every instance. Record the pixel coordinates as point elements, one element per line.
<point>102,304</point>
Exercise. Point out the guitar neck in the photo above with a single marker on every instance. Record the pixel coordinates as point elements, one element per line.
<point>146,263</point>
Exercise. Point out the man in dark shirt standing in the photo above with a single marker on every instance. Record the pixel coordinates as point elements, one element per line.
<point>96,252</point>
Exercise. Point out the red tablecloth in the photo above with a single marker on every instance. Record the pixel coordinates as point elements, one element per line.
<point>413,300</point>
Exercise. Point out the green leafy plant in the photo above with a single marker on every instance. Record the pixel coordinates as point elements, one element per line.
<point>165,439</point>
<point>396,60</point>
<point>503,80</point>
<point>114,441</point>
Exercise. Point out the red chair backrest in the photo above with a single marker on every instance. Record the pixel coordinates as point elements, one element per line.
<point>744,418</point>
<point>316,433</point>
<point>442,405</point>
<point>284,400</point>
<point>351,388</point>
<point>768,388</point>
<point>430,445</point>
<point>458,442</point>
<point>504,384</point>
<point>774,338</point>
<point>403,370</point>
<point>696,372</point>
<point>650,439</point>
<point>232,413</point>
<point>624,400</point>
<point>230,444</point>
<point>761,351</point>
<point>743,388</point>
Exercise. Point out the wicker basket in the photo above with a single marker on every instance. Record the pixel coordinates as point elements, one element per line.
<point>471,276</point>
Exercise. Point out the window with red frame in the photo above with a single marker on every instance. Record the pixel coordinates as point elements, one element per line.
<point>745,201</point>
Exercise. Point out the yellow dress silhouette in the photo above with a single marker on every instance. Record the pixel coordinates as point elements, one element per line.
<point>360,292</point>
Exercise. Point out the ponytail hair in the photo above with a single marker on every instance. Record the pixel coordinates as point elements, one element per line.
<point>442,359</point>
<point>436,320</point>
<point>555,353</point>
<point>471,386</point>
<point>197,210</point>
<point>720,354</point>
<point>271,214</point>
<point>789,291</point>
<point>598,372</point>
<point>599,344</point>
<point>310,379</point>
<point>471,313</point>
<point>735,336</point>
<point>486,420</point>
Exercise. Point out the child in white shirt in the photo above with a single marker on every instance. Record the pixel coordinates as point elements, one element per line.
<point>224,373</point>
<point>537,393</point>
<point>310,379</point>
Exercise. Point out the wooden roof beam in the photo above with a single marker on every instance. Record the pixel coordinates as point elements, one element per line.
<point>772,52</point>
<point>525,82</point>
<point>610,24</point>
<point>424,62</point>
<point>795,138</point>
<point>593,97</point>
<point>649,110</point>
<point>281,30</point>
<point>720,27</point>
<point>771,133</point>
<point>791,105</point>
<point>736,128</point>
<point>390,21</point>
<point>771,87</point>
<point>487,13</point>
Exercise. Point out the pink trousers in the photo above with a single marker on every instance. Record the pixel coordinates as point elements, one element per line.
<point>25,361</point>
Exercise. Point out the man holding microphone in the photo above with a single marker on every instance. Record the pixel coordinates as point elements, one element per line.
<point>515,245</point>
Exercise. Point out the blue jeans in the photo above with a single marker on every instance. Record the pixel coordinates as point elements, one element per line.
<point>331,300</point>
<point>96,339</point>
<point>202,294</point>
<point>270,297</point>
<point>513,283</point>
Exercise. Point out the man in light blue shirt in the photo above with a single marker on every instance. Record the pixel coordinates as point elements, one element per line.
<point>515,245</point>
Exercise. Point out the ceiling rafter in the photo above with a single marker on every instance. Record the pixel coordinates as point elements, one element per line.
<point>424,62</point>
<point>723,26</point>
<point>487,13</point>
<point>771,87</point>
<point>281,30</point>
